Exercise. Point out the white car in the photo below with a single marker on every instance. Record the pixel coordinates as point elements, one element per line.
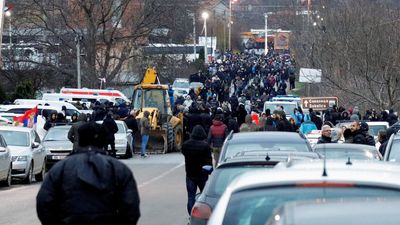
<point>181,87</point>
<point>123,140</point>
<point>5,163</point>
<point>288,107</point>
<point>27,153</point>
<point>313,137</point>
<point>253,196</point>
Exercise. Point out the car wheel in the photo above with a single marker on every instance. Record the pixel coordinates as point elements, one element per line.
<point>7,181</point>
<point>40,176</point>
<point>29,177</point>
<point>128,153</point>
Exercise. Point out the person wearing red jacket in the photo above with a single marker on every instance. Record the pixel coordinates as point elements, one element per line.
<point>216,136</point>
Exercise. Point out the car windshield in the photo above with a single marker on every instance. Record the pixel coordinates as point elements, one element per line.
<point>394,154</point>
<point>181,85</point>
<point>374,129</point>
<point>16,138</point>
<point>336,153</point>
<point>287,107</point>
<point>254,207</point>
<point>57,134</point>
<point>234,149</point>
<point>121,128</point>
<point>222,177</point>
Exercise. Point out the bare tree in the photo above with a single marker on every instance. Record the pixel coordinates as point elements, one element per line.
<point>357,47</point>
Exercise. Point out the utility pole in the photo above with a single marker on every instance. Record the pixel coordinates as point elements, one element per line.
<point>266,34</point>
<point>78,39</point>
<point>194,36</point>
<point>230,26</point>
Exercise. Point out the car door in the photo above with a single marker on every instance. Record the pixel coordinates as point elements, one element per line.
<point>128,136</point>
<point>4,158</point>
<point>40,153</point>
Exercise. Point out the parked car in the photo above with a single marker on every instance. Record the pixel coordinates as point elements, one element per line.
<point>392,152</point>
<point>181,87</point>
<point>239,143</point>
<point>339,211</point>
<point>57,145</point>
<point>345,151</point>
<point>252,197</point>
<point>27,153</point>
<point>123,140</point>
<point>5,163</point>
<point>229,170</point>
<point>313,137</point>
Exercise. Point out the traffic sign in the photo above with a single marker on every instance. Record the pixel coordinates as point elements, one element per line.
<point>319,103</point>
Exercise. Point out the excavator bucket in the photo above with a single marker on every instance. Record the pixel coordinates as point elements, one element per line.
<point>150,77</point>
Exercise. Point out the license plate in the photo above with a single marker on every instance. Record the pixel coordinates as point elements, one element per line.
<point>58,157</point>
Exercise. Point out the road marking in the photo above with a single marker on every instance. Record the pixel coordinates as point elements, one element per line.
<point>161,175</point>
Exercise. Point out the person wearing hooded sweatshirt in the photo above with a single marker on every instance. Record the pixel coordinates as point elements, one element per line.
<point>307,126</point>
<point>89,187</point>
<point>248,126</point>
<point>51,121</point>
<point>197,153</point>
<point>111,128</point>
<point>216,136</point>
<point>73,134</point>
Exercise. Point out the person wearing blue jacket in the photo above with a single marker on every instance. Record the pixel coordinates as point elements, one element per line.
<point>307,126</point>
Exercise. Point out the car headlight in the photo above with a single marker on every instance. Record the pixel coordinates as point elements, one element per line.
<point>120,141</point>
<point>19,158</point>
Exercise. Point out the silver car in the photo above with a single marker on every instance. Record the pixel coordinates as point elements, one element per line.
<point>123,139</point>
<point>57,144</point>
<point>27,153</point>
<point>5,163</point>
<point>252,197</point>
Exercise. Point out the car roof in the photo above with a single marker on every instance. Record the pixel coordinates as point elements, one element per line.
<point>275,136</point>
<point>116,121</point>
<point>345,146</point>
<point>297,172</point>
<point>281,102</point>
<point>15,128</point>
<point>61,127</point>
<point>260,157</point>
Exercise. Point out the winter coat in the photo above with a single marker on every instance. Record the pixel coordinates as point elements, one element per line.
<point>241,117</point>
<point>325,140</point>
<point>307,126</point>
<point>73,135</point>
<point>359,137</point>
<point>197,152</point>
<point>284,125</point>
<point>217,134</point>
<point>131,123</point>
<point>248,126</point>
<point>110,127</point>
<point>88,188</point>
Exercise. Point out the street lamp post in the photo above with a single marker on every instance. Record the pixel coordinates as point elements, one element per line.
<point>78,40</point>
<point>230,24</point>
<point>266,34</point>
<point>205,16</point>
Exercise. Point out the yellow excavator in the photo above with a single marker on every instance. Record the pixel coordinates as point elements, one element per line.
<point>166,133</point>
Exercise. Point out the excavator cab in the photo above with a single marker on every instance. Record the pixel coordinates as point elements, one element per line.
<point>166,133</point>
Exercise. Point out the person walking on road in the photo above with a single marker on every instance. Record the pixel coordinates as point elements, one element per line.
<point>131,123</point>
<point>144,131</point>
<point>89,187</point>
<point>216,136</point>
<point>197,153</point>
<point>111,128</point>
<point>73,134</point>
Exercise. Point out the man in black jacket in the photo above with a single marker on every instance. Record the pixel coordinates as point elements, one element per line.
<point>326,136</point>
<point>89,187</point>
<point>131,123</point>
<point>111,128</point>
<point>197,154</point>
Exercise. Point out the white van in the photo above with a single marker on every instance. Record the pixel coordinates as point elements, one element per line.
<point>42,110</point>
<point>81,98</point>
<point>288,107</point>
<point>58,104</point>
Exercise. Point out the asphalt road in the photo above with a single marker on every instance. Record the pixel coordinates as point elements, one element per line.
<point>161,183</point>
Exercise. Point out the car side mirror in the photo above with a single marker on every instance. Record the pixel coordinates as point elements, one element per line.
<point>35,145</point>
<point>129,131</point>
<point>207,169</point>
<point>2,149</point>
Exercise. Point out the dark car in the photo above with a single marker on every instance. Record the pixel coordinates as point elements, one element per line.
<point>237,144</point>
<point>233,167</point>
<point>345,151</point>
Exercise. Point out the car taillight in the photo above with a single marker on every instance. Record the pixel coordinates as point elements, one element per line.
<point>201,211</point>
